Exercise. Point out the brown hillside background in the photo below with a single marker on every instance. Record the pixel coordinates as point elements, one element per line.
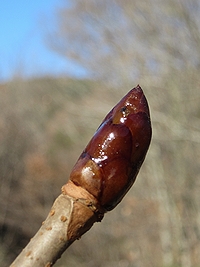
<point>46,122</point>
<point>45,125</point>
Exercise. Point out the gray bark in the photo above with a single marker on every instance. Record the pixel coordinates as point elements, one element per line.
<point>69,218</point>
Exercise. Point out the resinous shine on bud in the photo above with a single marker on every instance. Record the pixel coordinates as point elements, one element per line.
<point>109,164</point>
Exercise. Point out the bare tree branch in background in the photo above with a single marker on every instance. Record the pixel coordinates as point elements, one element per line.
<point>119,41</point>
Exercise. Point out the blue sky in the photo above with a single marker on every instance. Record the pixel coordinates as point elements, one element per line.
<point>23,50</point>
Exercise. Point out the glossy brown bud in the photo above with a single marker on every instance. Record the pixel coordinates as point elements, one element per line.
<point>108,166</point>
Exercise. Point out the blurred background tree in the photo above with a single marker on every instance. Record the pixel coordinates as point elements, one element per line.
<point>124,41</point>
<point>45,124</point>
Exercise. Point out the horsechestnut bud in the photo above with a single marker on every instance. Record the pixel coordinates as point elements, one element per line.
<point>109,164</point>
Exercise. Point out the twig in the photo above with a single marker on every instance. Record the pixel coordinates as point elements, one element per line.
<point>69,218</point>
